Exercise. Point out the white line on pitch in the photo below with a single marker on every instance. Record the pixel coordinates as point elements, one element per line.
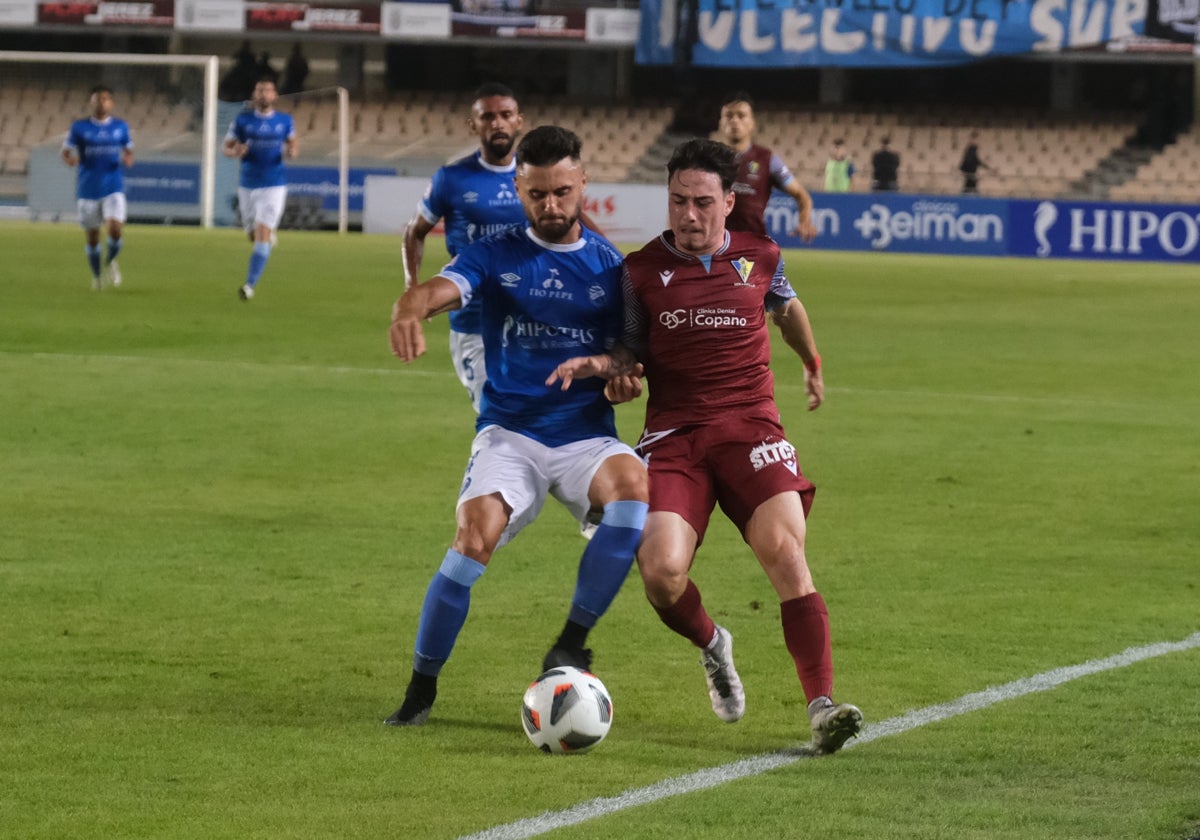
<point>704,779</point>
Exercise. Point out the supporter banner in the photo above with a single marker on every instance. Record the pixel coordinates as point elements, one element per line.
<point>817,33</point>
<point>313,17</point>
<point>149,13</point>
<point>1174,20</point>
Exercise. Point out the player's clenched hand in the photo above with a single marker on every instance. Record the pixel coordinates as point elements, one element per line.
<point>405,334</point>
<point>625,388</point>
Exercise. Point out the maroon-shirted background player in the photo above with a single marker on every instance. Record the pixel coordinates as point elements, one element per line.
<point>760,171</point>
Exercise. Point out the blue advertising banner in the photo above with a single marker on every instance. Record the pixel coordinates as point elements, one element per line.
<point>919,224</point>
<point>323,181</point>
<point>874,33</point>
<point>160,182</point>
<point>972,226</point>
<point>1101,231</point>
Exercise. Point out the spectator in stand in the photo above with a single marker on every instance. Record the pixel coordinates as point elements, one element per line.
<point>296,71</point>
<point>264,70</point>
<point>885,168</point>
<point>838,169</point>
<point>971,164</point>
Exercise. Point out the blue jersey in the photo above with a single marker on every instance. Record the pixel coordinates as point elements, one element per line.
<point>476,199</point>
<point>265,134</point>
<point>99,145</point>
<point>542,304</point>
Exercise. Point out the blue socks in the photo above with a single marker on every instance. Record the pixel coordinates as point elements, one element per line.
<point>445,610</point>
<point>114,248</point>
<point>93,258</point>
<point>258,261</point>
<point>606,560</point>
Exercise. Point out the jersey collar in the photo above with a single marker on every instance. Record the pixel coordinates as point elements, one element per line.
<point>491,167</point>
<point>556,246</point>
<point>668,240</point>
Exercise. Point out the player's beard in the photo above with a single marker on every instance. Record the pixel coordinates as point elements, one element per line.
<point>500,145</point>
<point>554,228</point>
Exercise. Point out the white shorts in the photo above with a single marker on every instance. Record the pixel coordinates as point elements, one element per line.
<point>466,352</point>
<point>93,212</point>
<point>262,206</point>
<point>524,472</point>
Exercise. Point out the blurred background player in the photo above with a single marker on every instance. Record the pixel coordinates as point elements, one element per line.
<point>759,172</point>
<point>100,146</point>
<point>262,138</point>
<point>533,440</point>
<point>476,197</point>
<point>971,163</point>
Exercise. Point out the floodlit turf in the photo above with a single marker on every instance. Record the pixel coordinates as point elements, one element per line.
<point>217,521</point>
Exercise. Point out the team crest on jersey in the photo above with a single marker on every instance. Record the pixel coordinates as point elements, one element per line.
<point>774,452</point>
<point>510,280</point>
<point>665,276</point>
<point>744,267</point>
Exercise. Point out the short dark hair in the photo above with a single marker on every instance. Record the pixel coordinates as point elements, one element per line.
<point>885,140</point>
<point>546,145</point>
<point>101,89</point>
<point>706,156</point>
<point>490,89</point>
<point>738,96</point>
<point>840,142</point>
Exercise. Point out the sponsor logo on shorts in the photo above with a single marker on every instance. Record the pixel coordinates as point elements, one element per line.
<point>772,452</point>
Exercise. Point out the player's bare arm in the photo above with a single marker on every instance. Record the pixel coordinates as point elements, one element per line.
<point>69,157</point>
<point>127,158</point>
<point>794,326</point>
<point>618,362</point>
<point>413,249</point>
<point>233,148</point>
<point>291,148</point>
<point>422,301</point>
<point>805,228</point>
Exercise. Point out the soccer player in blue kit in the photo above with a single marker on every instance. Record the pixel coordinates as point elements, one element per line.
<point>476,197</point>
<point>262,138</point>
<point>549,291</point>
<point>100,146</point>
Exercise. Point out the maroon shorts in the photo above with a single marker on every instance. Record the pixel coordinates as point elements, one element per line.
<point>738,463</point>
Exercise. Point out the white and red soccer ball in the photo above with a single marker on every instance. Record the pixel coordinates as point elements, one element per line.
<point>566,710</point>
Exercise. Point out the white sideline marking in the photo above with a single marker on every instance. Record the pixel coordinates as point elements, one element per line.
<point>704,779</point>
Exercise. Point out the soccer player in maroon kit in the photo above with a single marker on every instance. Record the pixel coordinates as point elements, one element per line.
<point>696,302</point>
<point>759,172</point>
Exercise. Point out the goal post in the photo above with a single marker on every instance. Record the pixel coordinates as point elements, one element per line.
<point>178,121</point>
<point>210,65</point>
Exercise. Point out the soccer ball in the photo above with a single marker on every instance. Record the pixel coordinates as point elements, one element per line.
<point>566,710</point>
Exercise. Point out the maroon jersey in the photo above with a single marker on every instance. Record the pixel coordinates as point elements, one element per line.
<point>701,331</point>
<point>759,171</point>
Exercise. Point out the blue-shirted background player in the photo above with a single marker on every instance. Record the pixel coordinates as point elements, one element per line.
<point>100,146</point>
<point>262,138</point>
<point>548,292</point>
<point>476,197</point>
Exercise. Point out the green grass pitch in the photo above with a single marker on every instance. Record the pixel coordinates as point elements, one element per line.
<point>217,521</point>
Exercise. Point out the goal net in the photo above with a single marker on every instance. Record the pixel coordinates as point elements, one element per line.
<point>177,122</point>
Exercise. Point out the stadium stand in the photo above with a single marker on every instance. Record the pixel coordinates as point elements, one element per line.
<point>1080,155</point>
